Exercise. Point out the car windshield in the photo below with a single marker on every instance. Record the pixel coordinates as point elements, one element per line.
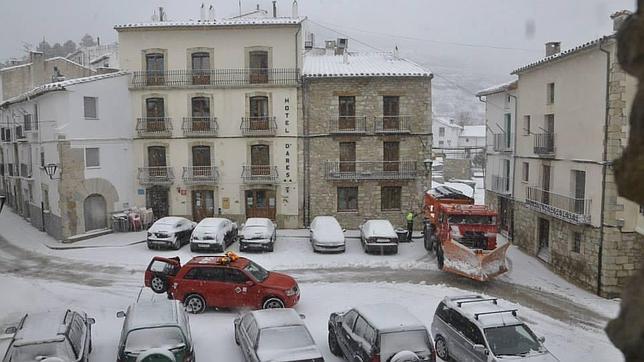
<point>394,342</point>
<point>257,271</point>
<point>511,340</point>
<point>36,352</point>
<point>140,340</point>
<point>290,337</point>
<point>471,219</point>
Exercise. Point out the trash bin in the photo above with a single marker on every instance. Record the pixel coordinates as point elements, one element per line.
<point>402,235</point>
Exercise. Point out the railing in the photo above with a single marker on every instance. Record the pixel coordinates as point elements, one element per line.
<point>501,142</point>
<point>258,126</point>
<point>570,209</point>
<point>544,143</point>
<point>261,174</point>
<point>348,125</point>
<point>160,175</point>
<point>223,78</point>
<point>155,127</point>
<point>200,175</point>
<point>370,170</point>
<point>500,184</point>
<point>392,124</point>
<point>200,126</point>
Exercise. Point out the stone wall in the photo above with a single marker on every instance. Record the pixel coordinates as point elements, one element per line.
<point>457,169</point>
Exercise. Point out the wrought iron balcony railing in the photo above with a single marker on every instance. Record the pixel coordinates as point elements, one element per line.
<point>502,142</point>
<point>259,174</point>
<point>392,124</point>
<point>258,126</point>
<point>216,78</point>
<point>154,127</point>
<point>200,175</point>
<point>570,209</point>
<point>159,175</point>
<point>348,125</point>
<point>371,170</point>
<point>200,126</point>
<point>500,184</point>
<point>544,144</point>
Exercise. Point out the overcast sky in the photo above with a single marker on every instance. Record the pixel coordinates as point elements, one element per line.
<point>469,42</point>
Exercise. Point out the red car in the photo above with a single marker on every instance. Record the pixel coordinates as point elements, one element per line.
<point>225,281</point>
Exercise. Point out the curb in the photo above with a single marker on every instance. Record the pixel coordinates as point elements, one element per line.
<point>71,247</point>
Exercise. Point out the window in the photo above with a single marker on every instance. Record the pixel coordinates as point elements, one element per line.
<point>441,132</point>
<point>259,106</point>
<point>154,108</point>
<point>390,197</point>
<point>526,172</point>
<point>347,156</point>
<point>92,157</point>
<point>154,67</point>
<point>347,112</point>
<point>349,319</point>
<point>90,106</point>
<point>441,143</point>
<point>3,134</point>
<point>200,107</point>
<point>258,64</point>
<point>526,125</point>
<point>576,242</point>
<point>27,122</point>
<point>200,68</point>
<point>391,112</point>
<point>508,130</point>
<point>579,190</point>
<point>361,328</point>
<point>211,274</point>
<point>201,157</point>
<point>550,93</point>
<point>347,198</point>
<point>443,312</point>
<point>235,276</point>
<point>76,333</point>
<point>36,116</point>
<point>391,156</point>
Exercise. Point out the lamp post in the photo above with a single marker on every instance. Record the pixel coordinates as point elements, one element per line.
<point>50,170</point>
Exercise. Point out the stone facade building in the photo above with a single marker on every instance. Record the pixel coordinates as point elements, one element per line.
<point>366,132</point>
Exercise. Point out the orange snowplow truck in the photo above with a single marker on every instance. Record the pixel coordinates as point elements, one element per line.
<point>462,235</point>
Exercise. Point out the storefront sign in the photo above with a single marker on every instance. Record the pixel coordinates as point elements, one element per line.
<point>287,111</point>
<point>225,202</point>
<point>561,214</point>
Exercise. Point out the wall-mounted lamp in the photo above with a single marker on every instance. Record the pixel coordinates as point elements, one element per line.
<point>2,200</point>
<point>50,170</point>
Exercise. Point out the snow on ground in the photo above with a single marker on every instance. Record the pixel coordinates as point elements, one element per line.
<point>569,343</point>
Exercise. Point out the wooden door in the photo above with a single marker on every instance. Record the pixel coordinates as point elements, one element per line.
<point>157,162</point>
<point>347,113</point>
<point>95,212</point>
<point>259,113</point>
<point>155,66</point>
<point>391,112</point>
<point>200,114</point>
<point>155,115</point>
<point>347,157</point>
<point>157,200</point>
<point>201,166</point>
<point>258,64</point>
<point>391,156</point>
<point>203,204</point>
<point>545,184</point>
<point>200,68</point>
<point>260,203</point>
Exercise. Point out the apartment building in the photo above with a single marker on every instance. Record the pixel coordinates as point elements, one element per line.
<point>215,114</point>
<point>62,151</point>
<point>445,132</point>
<point>500,121</point>
<point>573,118</point>
<point>366,132</point>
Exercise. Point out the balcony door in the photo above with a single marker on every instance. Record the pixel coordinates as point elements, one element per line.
<point>155,67</point>
<point>260,203</point>
<point>258,64</point>
<point>543,235</point>
<point>347,113</point>
<point>347,157</point>
<point>260,160</point>
<point>201,166</point>
<point>259,113</point>
<point>157,162</point>
<point>156,198</point>
<point>579,189</point>
<point>200,114</point>
<point>155,115</point>
<point>200,68</point>
<point>545,184</point>
<point>391,156</point>
<point>390,112</point>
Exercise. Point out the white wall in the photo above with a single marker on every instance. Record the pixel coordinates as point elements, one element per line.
<point>496,107</point>
<point>450,139</point>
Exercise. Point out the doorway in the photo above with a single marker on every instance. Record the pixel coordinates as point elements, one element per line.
<point>203,204</point>
<point>157,200</point>
<point>95,212</point>
<point>543,236</point>
<point>260,203</point>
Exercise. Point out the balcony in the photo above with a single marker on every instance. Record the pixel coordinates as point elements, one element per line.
<point>20,135</point>
<point>200,126</point>
<point>160,175</point>
<point>566,208</point>
<point>500,184</point>
<point>215,78</point>
<point>200,175</point>
<point>25,170</point>
<point>371,170</point>
<point>259,174</point>
<point>258,126</point>
<point>154,127</point>
<point>544,144</point>
<point>393,124</point>
<point>348,125</point>
<point>501,142</point>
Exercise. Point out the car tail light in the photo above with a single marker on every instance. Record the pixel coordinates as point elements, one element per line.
<point>375,358</point>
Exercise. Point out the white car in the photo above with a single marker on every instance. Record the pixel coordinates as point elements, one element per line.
<point>327,234</point>
<point>172,231</point>
<point>258,233</point>
<point>213,233</point>
<point>378,236</point>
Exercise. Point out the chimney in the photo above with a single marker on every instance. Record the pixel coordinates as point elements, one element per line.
<point>345,57</point>
<point>329,46</point>
<point>552,48</point>
<point>211,13</point>
<point>155,17</point>
<point>294,9</point>
<point>37,68</point>
<point>256,6</point>
<point>274,8</point>
<point>396,54</point>
<point>619,17</point>
<point>309,43</point>
<point>202,12</point>
<point>342,45</point>
<point>98,40</point>
<point>161,14</point>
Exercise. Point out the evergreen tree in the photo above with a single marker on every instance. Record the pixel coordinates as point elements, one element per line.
<point>87,41</point>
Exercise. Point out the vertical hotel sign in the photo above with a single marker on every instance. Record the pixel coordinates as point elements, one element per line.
<point>287,179</point>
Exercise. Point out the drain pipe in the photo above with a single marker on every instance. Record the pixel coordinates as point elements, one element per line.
<point>604,162</point>
<point>514,157</point>
<point>306,169</point>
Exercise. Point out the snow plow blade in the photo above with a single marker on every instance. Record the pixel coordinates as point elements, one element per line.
<point>477,264</point>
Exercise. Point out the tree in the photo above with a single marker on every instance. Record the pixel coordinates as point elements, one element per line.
<point>44,47</point>
<point>87,41</point>
<point>69,47</point>
<point>56,51</point>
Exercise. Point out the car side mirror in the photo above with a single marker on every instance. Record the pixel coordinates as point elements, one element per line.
<point>120,314</point>
<point>91,321</point>
<point>11,330</point>
<point>302,316</point>
<point>344,230</point>
<point>542,339</point>
<point>479,348</point>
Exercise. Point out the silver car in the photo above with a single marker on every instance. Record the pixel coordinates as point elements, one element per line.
<point>213,233</point>
<point>258,233</point>
<point>170,231</point>
<point>327,235</point>
<point>475,328</point>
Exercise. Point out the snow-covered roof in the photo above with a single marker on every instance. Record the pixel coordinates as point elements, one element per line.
<point>447,122</point>
<point>360,65</point>
<point>473,131</point>
<point>14,67</point>
<point>563,54</point>
<point>389,317</point>
<point>498,88</point>
<point>378,229</point>
<point>58,86</point>
<point>271,318</point>
<point>212,23</point>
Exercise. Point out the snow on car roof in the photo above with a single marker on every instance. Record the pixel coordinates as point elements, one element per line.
<point>152,314</point>
<point>211,222</point>
<point>389,317</point>
<point>41,326</point>
<point>327,228</point>
<point>170,220</point>
<point>271,318</point>
<point>257,221</point>
<point>483,305</point>
<point>379,228</point>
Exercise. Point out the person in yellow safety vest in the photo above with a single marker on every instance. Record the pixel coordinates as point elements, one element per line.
<point>410,223</point>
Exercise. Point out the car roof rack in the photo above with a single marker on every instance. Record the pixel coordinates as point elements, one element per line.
<point>513,311</point>
<point>493,300</point>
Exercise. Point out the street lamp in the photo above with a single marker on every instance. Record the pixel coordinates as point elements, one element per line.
<point>50,170</point>
<point>428,164</point>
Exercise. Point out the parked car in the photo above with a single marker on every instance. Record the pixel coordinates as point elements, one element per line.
<point>378,333</point>
<point>225,281</point>
<point>51,336</point>
<point>258,233</point>
<point>378,236</point>
<point>153,326</point>
<point>171,231</point>
<point>275,335</point>
<point>213,234</point>
<point>327,234</point>
<point>475,328</point>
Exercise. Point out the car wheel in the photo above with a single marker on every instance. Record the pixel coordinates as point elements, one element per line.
<point>242,247</point>
<point>158,284</point>
<point>272,303</point>
<point>192,248</point>
<point>271,246</point>
<point>333,345</point>
<point>441,349</point>
<point>195,304</point>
